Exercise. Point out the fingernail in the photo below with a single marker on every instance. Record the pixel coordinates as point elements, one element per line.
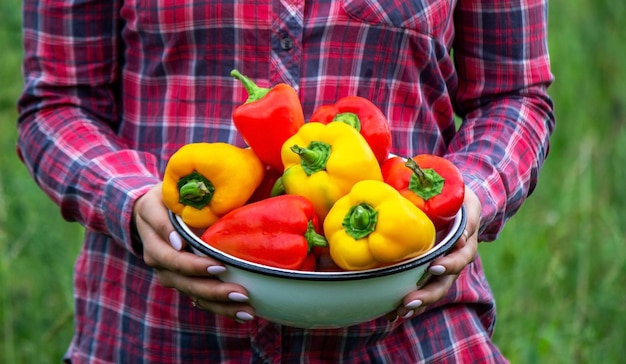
<point>244,316</point>
<point>437,270</point>
<point>175,241</point>
<point>237,297</point>
<point>465,234</point>
<point>408,314</point>
<point>216,269</point>
<point>413,304</point>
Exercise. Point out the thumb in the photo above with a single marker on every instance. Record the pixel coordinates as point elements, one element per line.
<point>152,219</point>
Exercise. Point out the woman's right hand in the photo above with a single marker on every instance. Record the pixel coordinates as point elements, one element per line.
<point>193,275</point>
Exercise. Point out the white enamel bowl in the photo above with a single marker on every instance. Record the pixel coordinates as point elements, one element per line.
<point>325,299</point>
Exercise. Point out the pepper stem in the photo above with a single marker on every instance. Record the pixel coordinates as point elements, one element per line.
<point>254,92</point>
<point>195,190</point>
<point>349,118</point>
<point>278,188</point>
<point>314,157</point>
<point>360,221</point>
<point>313,238</point>
<point>426,183</point>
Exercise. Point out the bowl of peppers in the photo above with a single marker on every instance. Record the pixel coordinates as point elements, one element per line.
<point>327,298</point>
<point>321,224</point>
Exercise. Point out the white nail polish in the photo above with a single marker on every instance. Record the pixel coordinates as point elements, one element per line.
<point>437,270</point>
<point>216,269</point>
<point>413,304</point>
<point>175,241</point>
<point>237,297</point>
<point>244,316</point>
<point>408,314</point>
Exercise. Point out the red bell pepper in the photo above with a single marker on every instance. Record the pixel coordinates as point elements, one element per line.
<point>279,231</point>
<point>324,262</point>
<point>268,118</point>
<point>310,263</point>
<point>364,116</point>
<point>432,183</point>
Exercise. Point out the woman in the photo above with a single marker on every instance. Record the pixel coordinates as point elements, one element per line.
<point>113,88</point>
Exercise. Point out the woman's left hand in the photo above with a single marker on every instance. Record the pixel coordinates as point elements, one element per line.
<point>445,269</point>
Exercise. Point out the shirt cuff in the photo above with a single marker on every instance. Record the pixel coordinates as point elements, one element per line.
<point>121,194</point>
<point>489,189</point>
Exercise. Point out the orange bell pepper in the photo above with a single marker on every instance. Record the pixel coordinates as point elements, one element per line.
<point>204,181</point>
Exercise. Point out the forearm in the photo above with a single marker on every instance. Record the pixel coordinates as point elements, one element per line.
<point>93,179</point>
<point>507,114</point>
<point>502,165</point>
<point>68,118</point>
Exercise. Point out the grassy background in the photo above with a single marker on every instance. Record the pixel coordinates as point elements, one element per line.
<point>558,270</point>
<point>37,248</point>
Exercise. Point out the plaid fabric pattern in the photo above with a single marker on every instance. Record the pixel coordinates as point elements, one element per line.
<point>113,88</point>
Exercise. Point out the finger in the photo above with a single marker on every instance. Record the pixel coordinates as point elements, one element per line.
<point>416,302</point>
<point>209,293</point>
<point>463,253</point>
<point>473,210</point>
<point>175,240</point>
<point>208,288</point>
<point>221,298</point>
<point>152,214</point>
<point>159,254</point>
<point>237,311</point>
<point>465,249</point>
<point>162,244</point>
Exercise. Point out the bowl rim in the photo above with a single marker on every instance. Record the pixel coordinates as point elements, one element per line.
<point>456,230</point>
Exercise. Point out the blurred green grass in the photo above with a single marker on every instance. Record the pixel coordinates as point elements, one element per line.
<point>557,270</point>
<point>37,248</point>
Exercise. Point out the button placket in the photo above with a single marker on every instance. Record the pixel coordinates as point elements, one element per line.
<point>286,43</point>
<point>287,34</point>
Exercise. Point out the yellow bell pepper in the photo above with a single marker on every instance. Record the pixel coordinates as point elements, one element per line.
<point>375,225</point>
<point>322,163</point>
<point>204,181</point>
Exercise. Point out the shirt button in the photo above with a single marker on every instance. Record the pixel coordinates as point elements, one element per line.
<point>286,43</point>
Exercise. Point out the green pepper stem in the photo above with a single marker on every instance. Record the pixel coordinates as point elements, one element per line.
<point>255,92</point>
<point>278,188</point>
<point>313,158</point>
<point>426,183</point>
<point>360,221</point>
<point>313,238</point>
<point>195,190</point>
<point>418,172</point>
<point>349,118</point>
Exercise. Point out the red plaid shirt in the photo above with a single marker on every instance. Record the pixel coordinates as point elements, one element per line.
<point>113,88</point>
